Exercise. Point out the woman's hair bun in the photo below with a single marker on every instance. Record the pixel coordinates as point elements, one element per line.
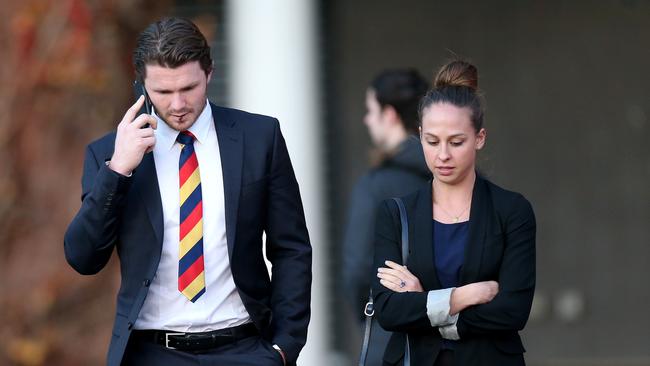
<point>457,73</point>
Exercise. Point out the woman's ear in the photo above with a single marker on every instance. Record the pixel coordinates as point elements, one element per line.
<point>480,139</point>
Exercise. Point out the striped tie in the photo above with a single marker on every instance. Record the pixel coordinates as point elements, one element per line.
<point>191,277</point>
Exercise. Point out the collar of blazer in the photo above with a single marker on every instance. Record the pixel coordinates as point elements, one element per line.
<point>422,256</point>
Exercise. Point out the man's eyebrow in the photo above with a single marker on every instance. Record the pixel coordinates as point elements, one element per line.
<point>186,87</point>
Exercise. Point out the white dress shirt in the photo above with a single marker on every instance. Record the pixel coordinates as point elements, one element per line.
<point>220,306</point>
<point>438,305</point>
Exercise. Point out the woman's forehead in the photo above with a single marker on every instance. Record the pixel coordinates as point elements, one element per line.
<point>448,118</point>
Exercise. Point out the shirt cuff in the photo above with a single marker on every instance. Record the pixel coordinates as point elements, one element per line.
<point>281,352</point>
<point>438,304</point>
<point>450,331</point>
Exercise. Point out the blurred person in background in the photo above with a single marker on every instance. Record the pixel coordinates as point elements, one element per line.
<point>468,288</point>
<point>184,195</point>
<point>391,117</point>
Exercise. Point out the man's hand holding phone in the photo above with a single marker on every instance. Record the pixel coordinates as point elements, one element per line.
<point>134,139</point>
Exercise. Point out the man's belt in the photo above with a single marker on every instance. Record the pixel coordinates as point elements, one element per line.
<point>196,341</point>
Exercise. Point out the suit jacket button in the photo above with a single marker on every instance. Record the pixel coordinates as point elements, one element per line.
<point>146,283</point>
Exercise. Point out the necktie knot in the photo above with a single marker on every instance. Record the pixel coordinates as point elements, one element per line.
<point>185,138</point>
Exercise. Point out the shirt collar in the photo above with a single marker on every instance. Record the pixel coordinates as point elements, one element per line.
<point>166,136</point>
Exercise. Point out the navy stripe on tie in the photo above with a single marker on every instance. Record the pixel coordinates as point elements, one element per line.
<point>190,203</point>
<point>190,257</point>
<point>198,295</point>
<point>186,152</point>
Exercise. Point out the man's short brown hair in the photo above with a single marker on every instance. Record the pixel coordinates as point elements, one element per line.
<point>171,42</point>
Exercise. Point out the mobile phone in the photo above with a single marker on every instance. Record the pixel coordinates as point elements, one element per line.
<point>147,107</point>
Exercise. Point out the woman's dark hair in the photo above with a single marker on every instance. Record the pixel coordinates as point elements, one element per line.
<point>171,42</point>
<point>402,90</point>
<point>456,84</point>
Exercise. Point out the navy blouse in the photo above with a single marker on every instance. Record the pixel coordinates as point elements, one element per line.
<point>449,241</point>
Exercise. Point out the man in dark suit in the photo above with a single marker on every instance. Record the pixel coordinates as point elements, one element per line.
<point>392,101</point>
<point>184,195</point>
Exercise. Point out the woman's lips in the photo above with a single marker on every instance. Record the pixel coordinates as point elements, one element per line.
<point>445,170</point>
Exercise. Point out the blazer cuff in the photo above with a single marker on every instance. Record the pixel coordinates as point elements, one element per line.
<point>111,188</point>
<point>438,304</point>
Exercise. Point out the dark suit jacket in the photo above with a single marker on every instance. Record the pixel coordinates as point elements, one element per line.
<point>501,247</point>
<point>261,195</point>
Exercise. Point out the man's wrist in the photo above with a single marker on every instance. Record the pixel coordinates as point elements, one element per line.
<point>284,358</point>
<point>117,169</point>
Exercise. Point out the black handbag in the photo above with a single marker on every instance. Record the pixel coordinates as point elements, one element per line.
<point>369,310</point>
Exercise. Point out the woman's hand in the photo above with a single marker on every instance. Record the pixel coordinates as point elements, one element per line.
<point>472,294</point>
<point>398,278</point>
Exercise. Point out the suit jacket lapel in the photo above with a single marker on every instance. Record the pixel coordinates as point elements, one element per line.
<point>478,223</point>
<point>421,224</point>
<point>146,182</point>
<point>231,150</point>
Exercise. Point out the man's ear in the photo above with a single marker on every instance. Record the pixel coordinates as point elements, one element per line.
<point>390,114</point>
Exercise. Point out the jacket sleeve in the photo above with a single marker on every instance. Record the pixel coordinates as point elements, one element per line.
<point>358,246</point>
<point>509,309</point>
<point>91,236</point>
<point>289,251</point>
<point>396,311</point>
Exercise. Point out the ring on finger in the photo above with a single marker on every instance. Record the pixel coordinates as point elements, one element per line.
<point>402,283</point>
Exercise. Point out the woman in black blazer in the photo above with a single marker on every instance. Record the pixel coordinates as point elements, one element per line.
<point>470,280</point>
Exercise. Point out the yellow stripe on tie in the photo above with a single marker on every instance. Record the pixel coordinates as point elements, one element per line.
<point>190,185</point>
<point>195,287</point>
<point>190,239</point>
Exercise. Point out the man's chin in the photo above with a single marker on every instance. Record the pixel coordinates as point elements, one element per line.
<point>179,124</point>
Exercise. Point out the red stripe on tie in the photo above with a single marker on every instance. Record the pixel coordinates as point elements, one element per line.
<point>191,219</point>
<point>188,168</point>
<point>186,278</point>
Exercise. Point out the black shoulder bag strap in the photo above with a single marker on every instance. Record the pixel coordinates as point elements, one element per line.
<point>369,310</point>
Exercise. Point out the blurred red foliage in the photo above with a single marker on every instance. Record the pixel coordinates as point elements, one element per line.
<point>65,79</point>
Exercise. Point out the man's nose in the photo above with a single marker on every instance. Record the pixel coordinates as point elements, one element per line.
<point>178,102</point>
